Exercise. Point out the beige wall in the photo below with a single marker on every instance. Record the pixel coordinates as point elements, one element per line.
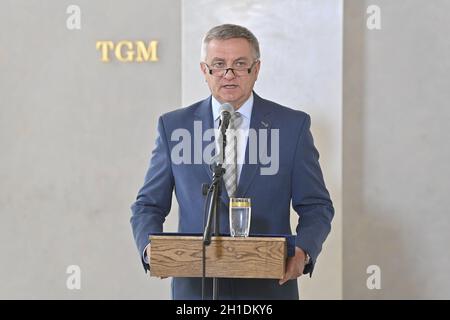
<point>75,138</point>
<point>396,155</point>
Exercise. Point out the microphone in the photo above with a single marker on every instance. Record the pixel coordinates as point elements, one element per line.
<point>226,110</point>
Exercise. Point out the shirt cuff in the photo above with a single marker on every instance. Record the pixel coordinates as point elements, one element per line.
<point>144,254</point>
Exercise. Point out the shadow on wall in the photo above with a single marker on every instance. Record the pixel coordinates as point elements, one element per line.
<point>368,238</point>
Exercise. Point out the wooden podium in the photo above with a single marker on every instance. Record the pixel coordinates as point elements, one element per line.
<point>226,257</point>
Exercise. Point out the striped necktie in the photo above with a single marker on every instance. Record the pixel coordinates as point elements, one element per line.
<point>230,177</point>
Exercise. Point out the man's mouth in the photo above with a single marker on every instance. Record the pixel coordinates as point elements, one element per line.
<point>230,86</point>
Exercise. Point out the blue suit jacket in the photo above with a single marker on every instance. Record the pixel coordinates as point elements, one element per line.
<point>299,179</point>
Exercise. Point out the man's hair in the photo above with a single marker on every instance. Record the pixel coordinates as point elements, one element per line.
<point>229,31</point>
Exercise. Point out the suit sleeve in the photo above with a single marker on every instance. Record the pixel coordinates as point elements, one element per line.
<point>310,198</point>
<point>154,199</point>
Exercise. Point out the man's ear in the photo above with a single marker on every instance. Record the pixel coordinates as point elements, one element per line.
<point>203,68</point>
<point>257,66</point>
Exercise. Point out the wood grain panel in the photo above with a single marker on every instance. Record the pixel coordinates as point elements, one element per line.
<point>226,257</point>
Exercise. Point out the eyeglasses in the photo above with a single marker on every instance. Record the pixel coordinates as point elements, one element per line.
<point>239,69</point>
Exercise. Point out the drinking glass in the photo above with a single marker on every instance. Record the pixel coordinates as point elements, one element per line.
<point>240,214</point>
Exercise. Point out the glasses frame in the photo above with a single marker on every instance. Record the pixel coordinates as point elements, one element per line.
<point>225,70</point>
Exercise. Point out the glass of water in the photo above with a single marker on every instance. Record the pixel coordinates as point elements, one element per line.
<point>240,214</point>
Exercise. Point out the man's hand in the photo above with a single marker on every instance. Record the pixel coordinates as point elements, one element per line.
<point>294,266</point>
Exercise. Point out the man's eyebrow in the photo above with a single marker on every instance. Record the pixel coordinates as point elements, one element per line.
<point>217,59</point>
<point>242,58</point>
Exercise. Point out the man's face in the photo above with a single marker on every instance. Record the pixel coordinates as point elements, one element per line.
<point>231,88</point>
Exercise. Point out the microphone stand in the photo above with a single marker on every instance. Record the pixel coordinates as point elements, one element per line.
<point>213,214</point>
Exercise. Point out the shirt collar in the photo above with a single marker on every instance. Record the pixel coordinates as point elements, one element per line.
<point>245,110</point>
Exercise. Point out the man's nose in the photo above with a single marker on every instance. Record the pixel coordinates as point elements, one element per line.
<point>229,74</point>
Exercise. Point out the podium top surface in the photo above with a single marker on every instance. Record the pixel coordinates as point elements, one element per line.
<point>228,238</point>
<point>290,239</point>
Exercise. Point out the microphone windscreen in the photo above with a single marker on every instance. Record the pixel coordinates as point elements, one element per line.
<point>226,107</point>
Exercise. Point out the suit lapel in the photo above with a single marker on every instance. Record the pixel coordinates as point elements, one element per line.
<point>204,114</point>
<point>259,120</point>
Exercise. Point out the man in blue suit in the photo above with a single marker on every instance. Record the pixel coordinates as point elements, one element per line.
<point>230,64</point>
